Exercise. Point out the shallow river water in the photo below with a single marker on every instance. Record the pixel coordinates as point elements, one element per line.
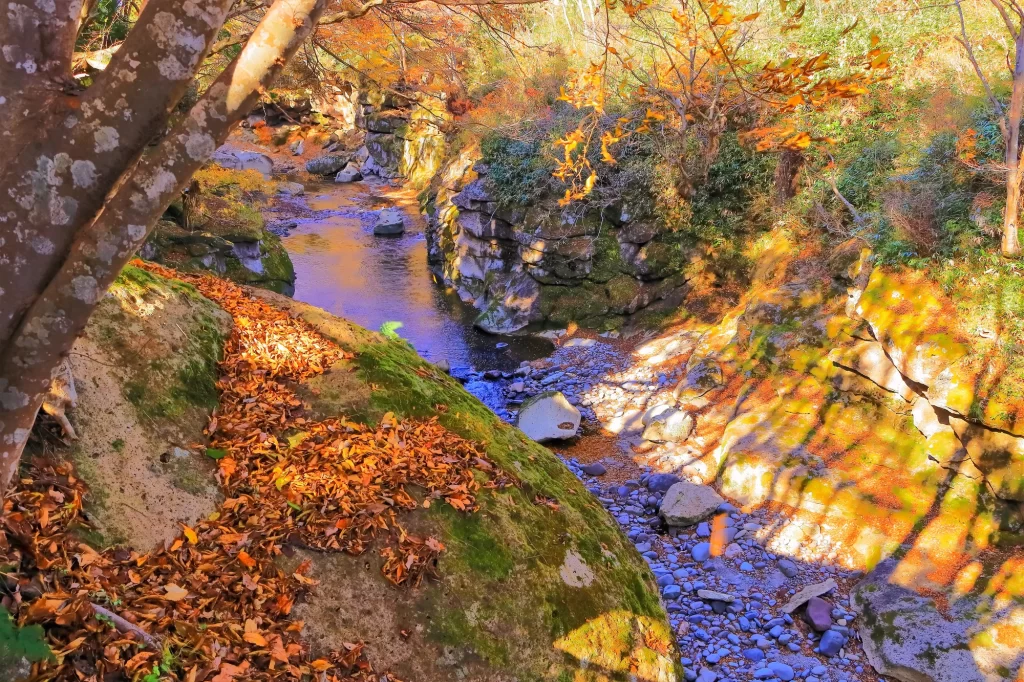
<point>343,267</point>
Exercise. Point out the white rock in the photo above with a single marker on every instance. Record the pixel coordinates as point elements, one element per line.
<point>234,159</point>
<point>805,595</point>
<point>389,221</point>
<point>687,504</point>
<point>653,412</point>
<point>669,426</point>
<point>349,173</point>
<point>548,416</point>
<point>291,189</point>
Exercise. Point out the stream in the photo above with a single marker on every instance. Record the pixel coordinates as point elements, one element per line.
<point>735,632</point>
<point>342,267</point>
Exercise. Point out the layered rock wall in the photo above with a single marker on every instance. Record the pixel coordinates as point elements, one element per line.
<point>404,137</point>
<point>526,265</point>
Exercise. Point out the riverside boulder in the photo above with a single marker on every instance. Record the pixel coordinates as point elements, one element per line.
<point>389,222</point>
<point>350,173</point>
<point>548,416</point>
<point>906,637</point>
<point>669,426</point>
<point>543,591</point>
<point>687,504</point>
<point>236,159</point>
<point>328,164</point>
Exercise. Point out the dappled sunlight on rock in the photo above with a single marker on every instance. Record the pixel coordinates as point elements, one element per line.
<point>620,642</point>
<point>819,424</point>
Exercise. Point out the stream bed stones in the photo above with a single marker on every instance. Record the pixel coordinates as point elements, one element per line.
<point>687,504</point>
<point>727,610</point>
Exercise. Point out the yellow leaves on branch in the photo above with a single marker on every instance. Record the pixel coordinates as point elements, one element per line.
<point>777,138</point>
<point>720,14</point>
<point>676,95</point>
<point>608,138</point>
<point>967,148</point>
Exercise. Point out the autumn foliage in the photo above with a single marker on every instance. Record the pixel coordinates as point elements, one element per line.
<point>216,601</point>
<point>691,75</point>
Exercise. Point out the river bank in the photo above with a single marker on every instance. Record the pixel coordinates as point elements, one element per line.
<point>342,267</point>
<point>799,446</point>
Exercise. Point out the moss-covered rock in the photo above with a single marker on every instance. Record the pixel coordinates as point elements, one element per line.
<point>526,591</point>
<point>226,235</point>
<point>582,303</point>
<point>607,262</point>
<point>624,293</point>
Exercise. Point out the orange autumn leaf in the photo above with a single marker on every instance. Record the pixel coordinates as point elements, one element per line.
<point>718,535</point>
<point>255,638</point>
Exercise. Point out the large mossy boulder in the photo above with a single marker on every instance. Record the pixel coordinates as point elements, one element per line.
<point>907,636</point>
<point>526,591</point>
<point>224,232</point>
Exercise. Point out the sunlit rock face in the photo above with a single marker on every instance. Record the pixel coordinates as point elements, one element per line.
<point>543,264</point>
<point>403,136</point>
<point>885,430</point>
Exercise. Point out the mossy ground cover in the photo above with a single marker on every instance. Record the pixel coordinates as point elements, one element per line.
<point>533,537</point>
<point>162,387</point>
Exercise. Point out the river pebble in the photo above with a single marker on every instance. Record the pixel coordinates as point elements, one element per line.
<point>746,639</point>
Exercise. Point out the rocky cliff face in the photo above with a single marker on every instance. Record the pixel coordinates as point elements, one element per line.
<point>542,263</point>
<point>403,136</point>
<point>854,397</point>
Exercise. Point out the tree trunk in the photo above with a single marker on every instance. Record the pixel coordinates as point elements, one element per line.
<point>787,174</point>
<point>55,181</point>
<point>1011,243</point>
<point>190,206</point>
<point>132,197</point>
<point>1011,216</point>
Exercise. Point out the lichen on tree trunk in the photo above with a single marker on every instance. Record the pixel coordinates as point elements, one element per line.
<point>78,221</point>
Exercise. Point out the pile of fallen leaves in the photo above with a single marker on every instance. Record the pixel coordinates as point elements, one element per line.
<point>214,605</point>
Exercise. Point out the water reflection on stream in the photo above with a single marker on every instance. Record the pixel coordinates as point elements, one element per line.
<point>343,267</point>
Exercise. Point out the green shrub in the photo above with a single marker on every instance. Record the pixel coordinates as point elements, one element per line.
<point>520,172</point>
<point>861,181</point>
<point>721,204</point>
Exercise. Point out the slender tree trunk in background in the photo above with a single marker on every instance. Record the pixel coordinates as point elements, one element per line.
<point>82,193</point>
<point>1011,243</point>
<point>190,206</point>
<point>787,174</point>
<point>1011,217</point>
